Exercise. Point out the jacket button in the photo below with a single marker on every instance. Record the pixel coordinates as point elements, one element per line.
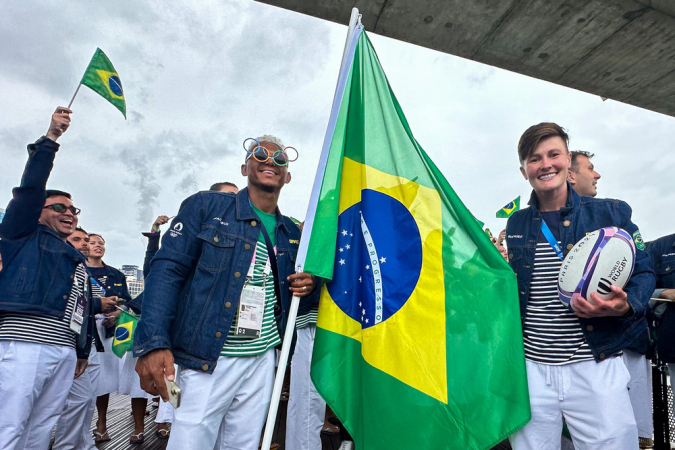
<point>510,255</point>
<point>602,356</point>
<point>253,223</point>
<point>72,277</point>
<point>237,274</point>
<point>527,266</point>
<point>247,247</point>
<point>65,297</point>
<point>215,238</point>
<point>522,292</point>
<point>228,304</point>
<point>566,223</point>
<point>668,269</point>
<point>218,334</point>
<point>205,367</point>
<point>589,327</point>
<point>570,246</point>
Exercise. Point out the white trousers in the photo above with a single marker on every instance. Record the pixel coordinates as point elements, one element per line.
<point>34,383</point>
<point>640,391</point>
<point>306,408</point>
<point>73,429</point>
<point>225,410</point>
<point>593,398</point>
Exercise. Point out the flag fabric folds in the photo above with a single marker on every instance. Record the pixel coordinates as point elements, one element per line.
<point>103,79</point>
<point>124,334</point>
<point>509,209</point>
<point>418,341</point>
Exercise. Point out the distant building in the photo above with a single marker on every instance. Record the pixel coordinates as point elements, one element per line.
<point>131,273</point>
<point>135,287</point>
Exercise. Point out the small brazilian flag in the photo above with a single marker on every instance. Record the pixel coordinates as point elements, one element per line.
<point>509,209</point>
<point>418,340</point>
<point>103,79</point>
<point>124,334</point>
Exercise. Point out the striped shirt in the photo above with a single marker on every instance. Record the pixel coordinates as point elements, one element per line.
<point>552,333</point>
<point>269,335</point>
<point>309,318</point>
<point>48,330</point>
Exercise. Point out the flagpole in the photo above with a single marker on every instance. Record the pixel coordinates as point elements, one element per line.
<point>295,302</point>
<point>74,95</point>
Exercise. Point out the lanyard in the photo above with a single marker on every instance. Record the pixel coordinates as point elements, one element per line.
<point>551,240</point>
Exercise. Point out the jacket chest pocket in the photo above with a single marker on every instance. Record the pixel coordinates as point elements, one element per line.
<point>666,272</point>
<point>217,249</point>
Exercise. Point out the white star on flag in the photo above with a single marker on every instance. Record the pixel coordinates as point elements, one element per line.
<point>364,312</point>
<point>383,260</point>
<point>366,320</point>
<point>367,267</point>
<point>347,247</point>
<point>344,232</point>
<point>342,262</point>
<point>341,249</point>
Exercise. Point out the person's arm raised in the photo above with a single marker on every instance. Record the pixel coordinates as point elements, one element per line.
<point>23,211</point>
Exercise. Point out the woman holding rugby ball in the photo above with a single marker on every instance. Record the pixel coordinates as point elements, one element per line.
<point>572,368</point>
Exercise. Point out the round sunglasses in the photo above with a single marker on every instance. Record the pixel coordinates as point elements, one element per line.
<point>261,154</point>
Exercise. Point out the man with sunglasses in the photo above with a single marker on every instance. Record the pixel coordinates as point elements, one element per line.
<point>211,274</point>
<point>45,331</point>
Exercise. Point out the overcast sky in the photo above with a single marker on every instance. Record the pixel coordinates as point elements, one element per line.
<point>200,77</point>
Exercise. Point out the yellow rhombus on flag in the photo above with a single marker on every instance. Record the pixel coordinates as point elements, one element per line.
<point>103,79</point>
<point>124,334</point>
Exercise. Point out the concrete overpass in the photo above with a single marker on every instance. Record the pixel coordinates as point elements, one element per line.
<point>619,49</point>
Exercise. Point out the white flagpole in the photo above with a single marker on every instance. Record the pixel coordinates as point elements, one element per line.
<point>302,253</point>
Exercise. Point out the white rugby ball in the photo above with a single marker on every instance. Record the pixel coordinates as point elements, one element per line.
<point>600,259</point>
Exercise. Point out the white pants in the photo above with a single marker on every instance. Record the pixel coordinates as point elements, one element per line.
<point>593,398</point>
<point>34,383</point>
<point>306,408</point>
<point>165,411</point>
<point>73,429</point>
<point>640,391</point>
<point>225,410</point>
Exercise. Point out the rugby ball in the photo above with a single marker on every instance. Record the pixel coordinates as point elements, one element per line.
<point>601,259</point>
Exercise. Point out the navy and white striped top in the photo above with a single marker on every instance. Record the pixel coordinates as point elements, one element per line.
<point>551,332</point>
<point>45,329</point>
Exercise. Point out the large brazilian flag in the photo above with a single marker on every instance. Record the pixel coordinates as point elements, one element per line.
<point>418,342</point>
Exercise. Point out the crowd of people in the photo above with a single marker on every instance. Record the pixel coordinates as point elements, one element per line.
<point>217,298</point>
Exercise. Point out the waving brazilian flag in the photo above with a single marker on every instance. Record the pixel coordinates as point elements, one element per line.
<point>509,209</point>
<point>103,79</point>
<point>124,333</point>
<point>418,341</point>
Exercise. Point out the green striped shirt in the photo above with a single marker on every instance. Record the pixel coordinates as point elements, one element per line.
<point>269,335</point>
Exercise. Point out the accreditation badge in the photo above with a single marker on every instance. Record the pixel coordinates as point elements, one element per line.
<point>77,319</point>
<point>251,311</point>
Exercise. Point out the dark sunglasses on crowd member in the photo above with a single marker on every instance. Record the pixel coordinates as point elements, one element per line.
<point>61,208</point>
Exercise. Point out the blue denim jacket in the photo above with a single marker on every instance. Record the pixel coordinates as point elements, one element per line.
<point>38,265</point>
<point>192,290</point>
<point>581,215</point>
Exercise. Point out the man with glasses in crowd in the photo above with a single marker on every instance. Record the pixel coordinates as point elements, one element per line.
<point>211,272</point>
<point>45,331</point>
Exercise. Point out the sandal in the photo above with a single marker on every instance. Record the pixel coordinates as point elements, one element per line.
<point>137,438</point>
<point>101,437</point>
<point>162,433</point>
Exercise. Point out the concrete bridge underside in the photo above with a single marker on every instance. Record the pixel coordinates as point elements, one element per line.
<point>619,49</point>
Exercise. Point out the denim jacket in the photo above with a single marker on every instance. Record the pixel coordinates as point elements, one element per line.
<point>38,265</point>
<point>192,290</point>
<point>662,252</point>
<point>606,336</point>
